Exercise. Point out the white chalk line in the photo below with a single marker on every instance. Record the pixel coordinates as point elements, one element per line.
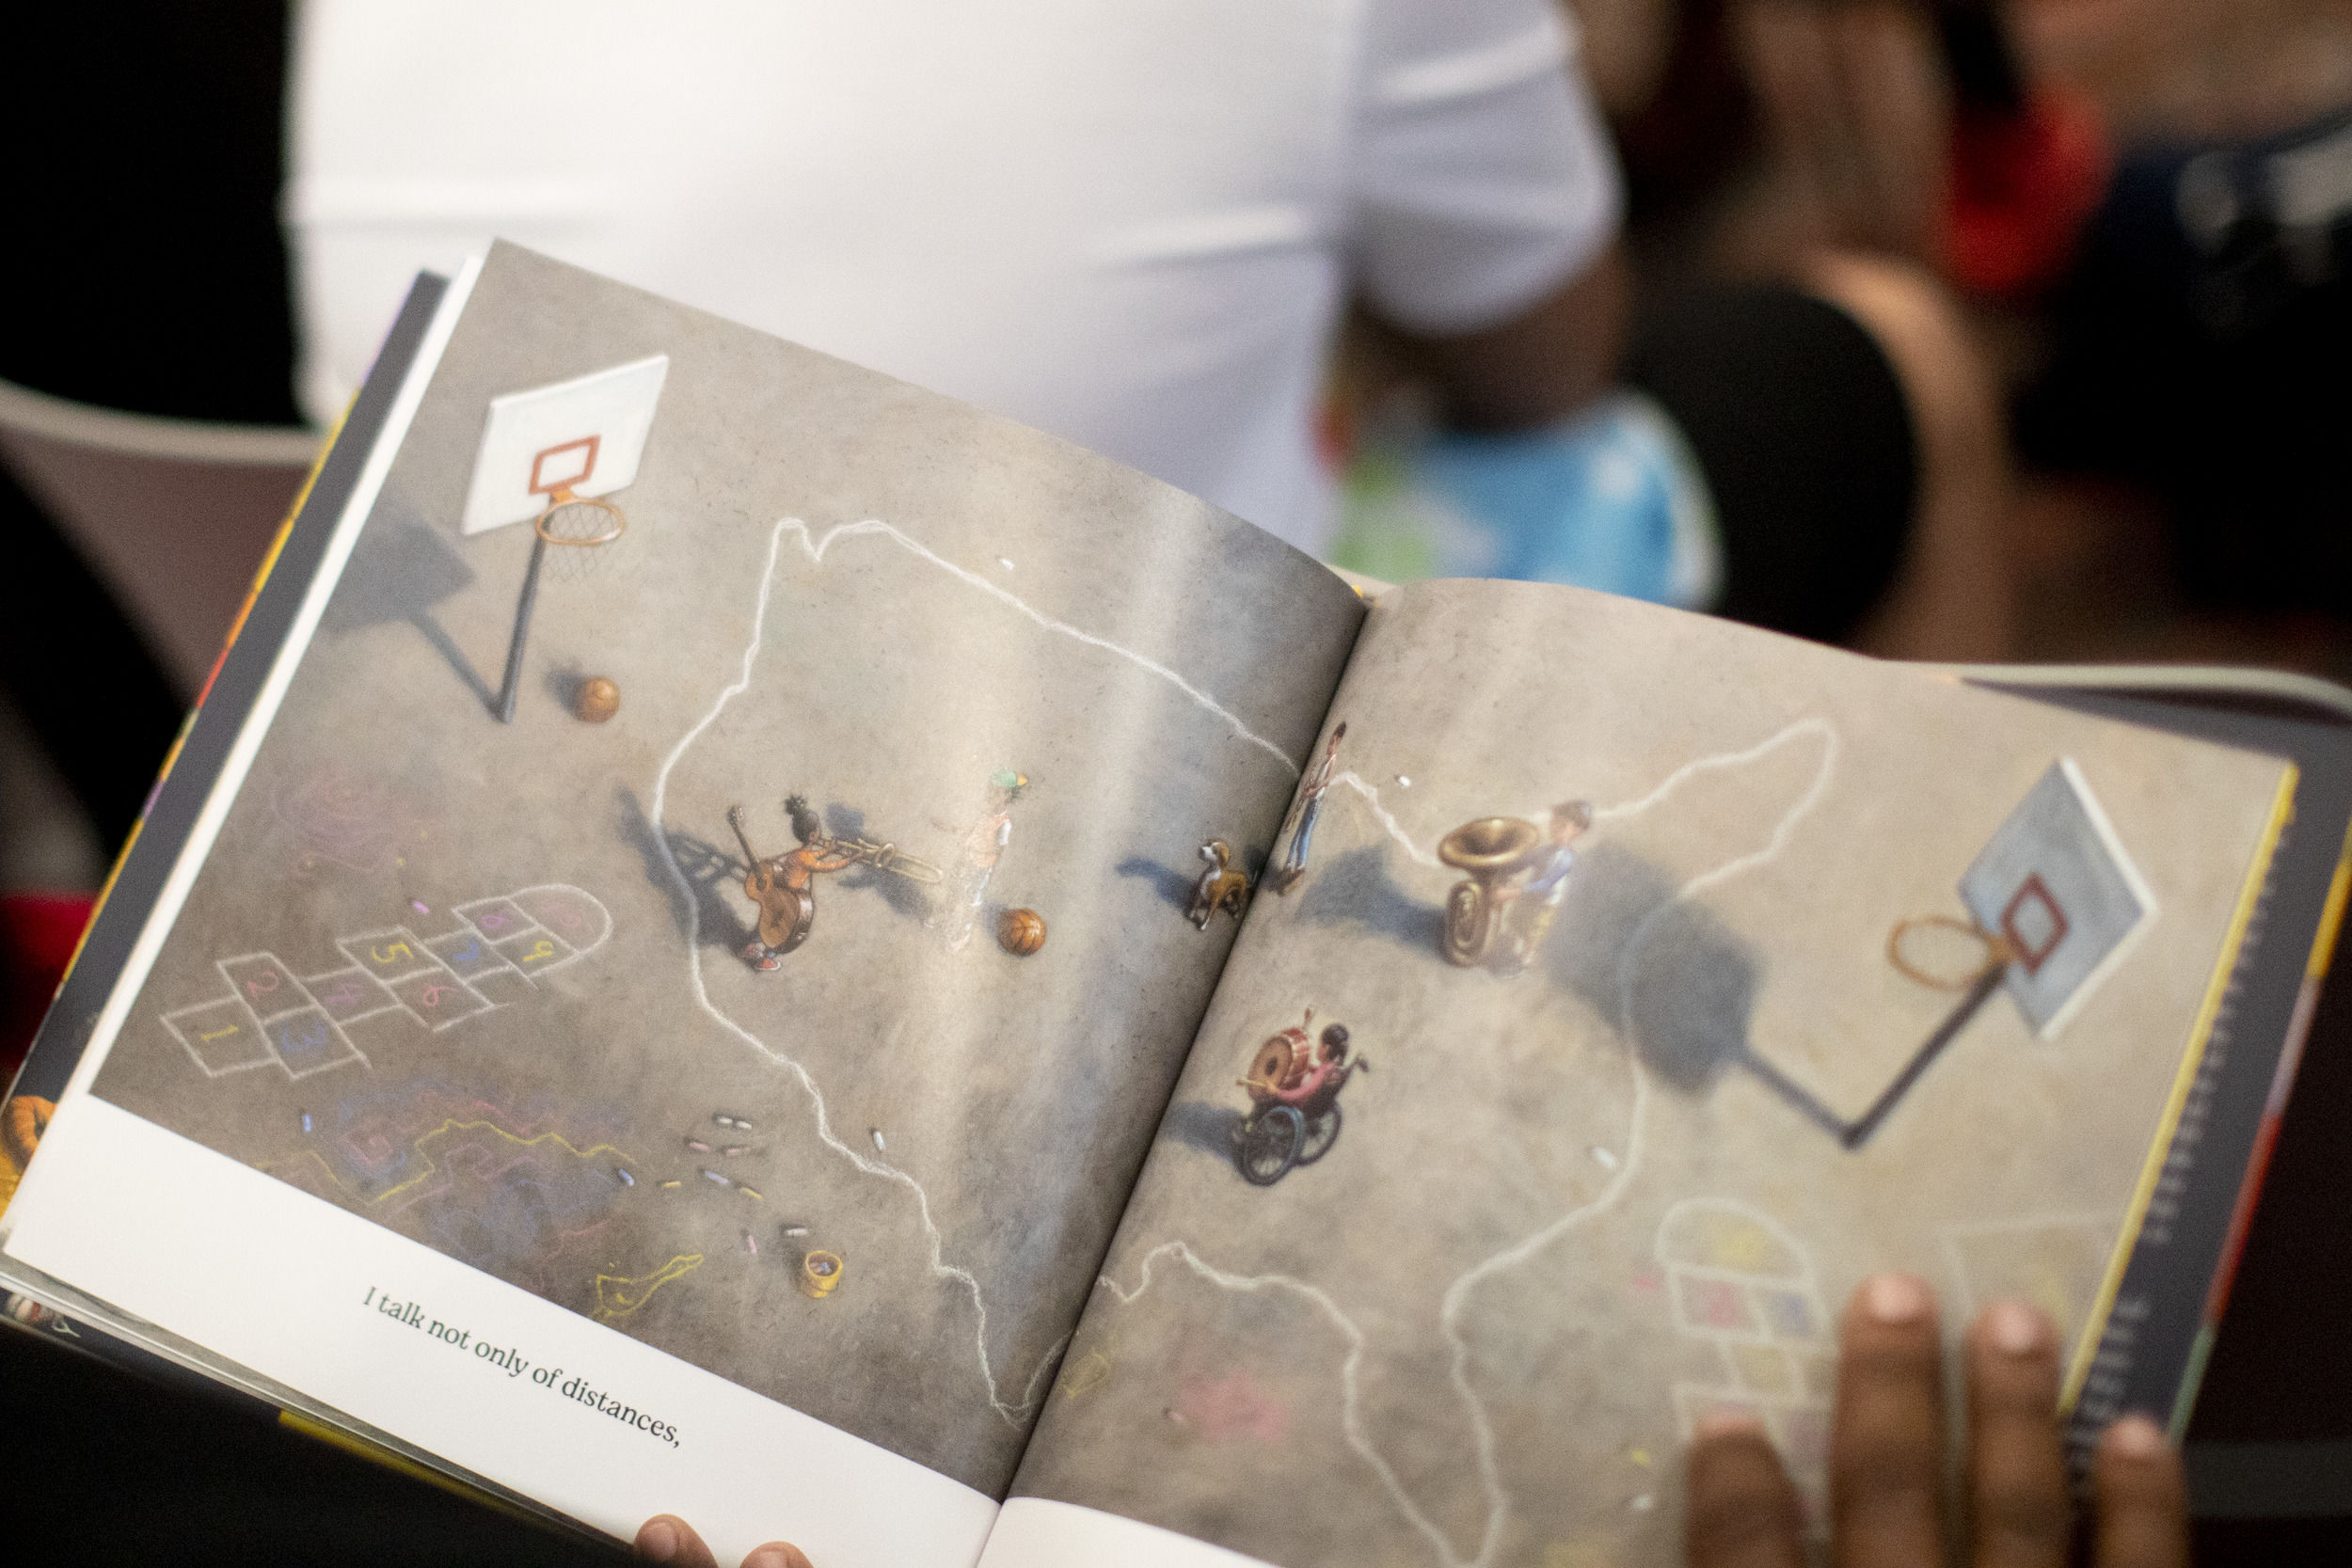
<point>1457,1295</point>
<point>1673,781</point>
<point>1386,819</point>
<point>815,552</point>
<point>1729,869</point>
<point>1012,1414</point>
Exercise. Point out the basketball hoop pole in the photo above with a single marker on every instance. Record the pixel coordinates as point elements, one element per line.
<point>1857,1131</point>
<point>522,627</point>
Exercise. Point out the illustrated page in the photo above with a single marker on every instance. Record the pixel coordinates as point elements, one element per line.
<point>1625,988</point>
<point>743,860</point>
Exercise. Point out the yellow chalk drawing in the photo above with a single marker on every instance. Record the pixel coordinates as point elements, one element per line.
<point>1746,1248</point>
<point>1092,1370</point>
<point>617,1297</point>
<point>430,1168</point>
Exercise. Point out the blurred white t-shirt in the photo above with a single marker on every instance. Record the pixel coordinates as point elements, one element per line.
<point>1133,223</point>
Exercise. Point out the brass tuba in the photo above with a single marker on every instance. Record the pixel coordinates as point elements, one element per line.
<point>1488,851</point>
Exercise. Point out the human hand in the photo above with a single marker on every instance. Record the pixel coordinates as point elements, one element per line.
<point>667,1537</point>
<point>1886,1458</point>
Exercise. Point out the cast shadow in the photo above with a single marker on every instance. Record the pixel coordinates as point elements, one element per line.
<point>401,568</point>
<point>1355,889</point>
<point>562,683</point>
<point>904,896</point>
<point>1172,886</point>
<point>714,876</point>
<point>1687,1000</point>
<point>1198,1124</point>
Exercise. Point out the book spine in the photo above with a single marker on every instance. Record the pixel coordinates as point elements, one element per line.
<point>202,748</point>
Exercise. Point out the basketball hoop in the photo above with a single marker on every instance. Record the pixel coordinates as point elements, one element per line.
<point>549,456</point>
<point>1997,951</point>
<point>579,527</point>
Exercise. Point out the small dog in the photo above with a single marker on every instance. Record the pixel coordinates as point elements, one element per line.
<point>1222,886</point>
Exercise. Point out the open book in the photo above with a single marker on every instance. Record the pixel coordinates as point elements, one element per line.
<point>736,937</point>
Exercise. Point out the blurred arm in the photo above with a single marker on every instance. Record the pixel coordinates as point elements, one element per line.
<point>1540,365</point>
<point>1486,202</point>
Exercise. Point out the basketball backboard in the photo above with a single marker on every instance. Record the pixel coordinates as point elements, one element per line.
<point>586,435</point>
<point>2055,885</point>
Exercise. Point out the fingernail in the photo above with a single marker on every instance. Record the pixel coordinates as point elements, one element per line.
<point>2135,1437</point>
<point>1725,1423</point>
<point>1897,1298</point>
<point>768,1557</point>
<point>657,1541</point>
<point>2015,1328</point>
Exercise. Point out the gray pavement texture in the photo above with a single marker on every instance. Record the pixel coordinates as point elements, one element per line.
<point>649,1131</point>
<point>1571,1209</point>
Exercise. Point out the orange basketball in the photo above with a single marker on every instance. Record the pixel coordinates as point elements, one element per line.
<point>1021,932</point>
<point>597,701</point>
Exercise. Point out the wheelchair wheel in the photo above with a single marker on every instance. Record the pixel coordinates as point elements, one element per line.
<point>1322,1132</point>
<point>1270,1145</point>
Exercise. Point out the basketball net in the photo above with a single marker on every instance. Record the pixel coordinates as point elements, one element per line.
<point>581,529</point>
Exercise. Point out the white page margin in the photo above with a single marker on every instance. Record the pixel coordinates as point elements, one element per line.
<point>275,1279</point>
<point>1039,1532</point>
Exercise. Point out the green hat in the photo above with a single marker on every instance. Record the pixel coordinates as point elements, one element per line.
<point>1005,778</point>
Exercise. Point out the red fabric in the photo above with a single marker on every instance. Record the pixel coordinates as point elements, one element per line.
<point>37,934</point>
<point>2023,186</point>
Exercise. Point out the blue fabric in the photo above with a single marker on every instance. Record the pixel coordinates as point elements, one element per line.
<point>1609,500</point>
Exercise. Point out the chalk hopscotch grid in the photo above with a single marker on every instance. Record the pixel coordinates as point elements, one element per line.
<point>377,960</point>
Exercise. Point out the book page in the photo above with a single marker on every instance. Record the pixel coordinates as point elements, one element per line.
<point>1682,975</point>
<point>792,982</point>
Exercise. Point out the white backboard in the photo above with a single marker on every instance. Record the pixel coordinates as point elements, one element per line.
<point>2055,882</point>
<point>586,433</point>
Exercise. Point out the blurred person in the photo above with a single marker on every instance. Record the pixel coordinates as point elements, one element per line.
<point>1139,236</point>
<point>1808,438</point>
<point>2152,202</point>
<point>1133,226</point>
<point>2194,356</point>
